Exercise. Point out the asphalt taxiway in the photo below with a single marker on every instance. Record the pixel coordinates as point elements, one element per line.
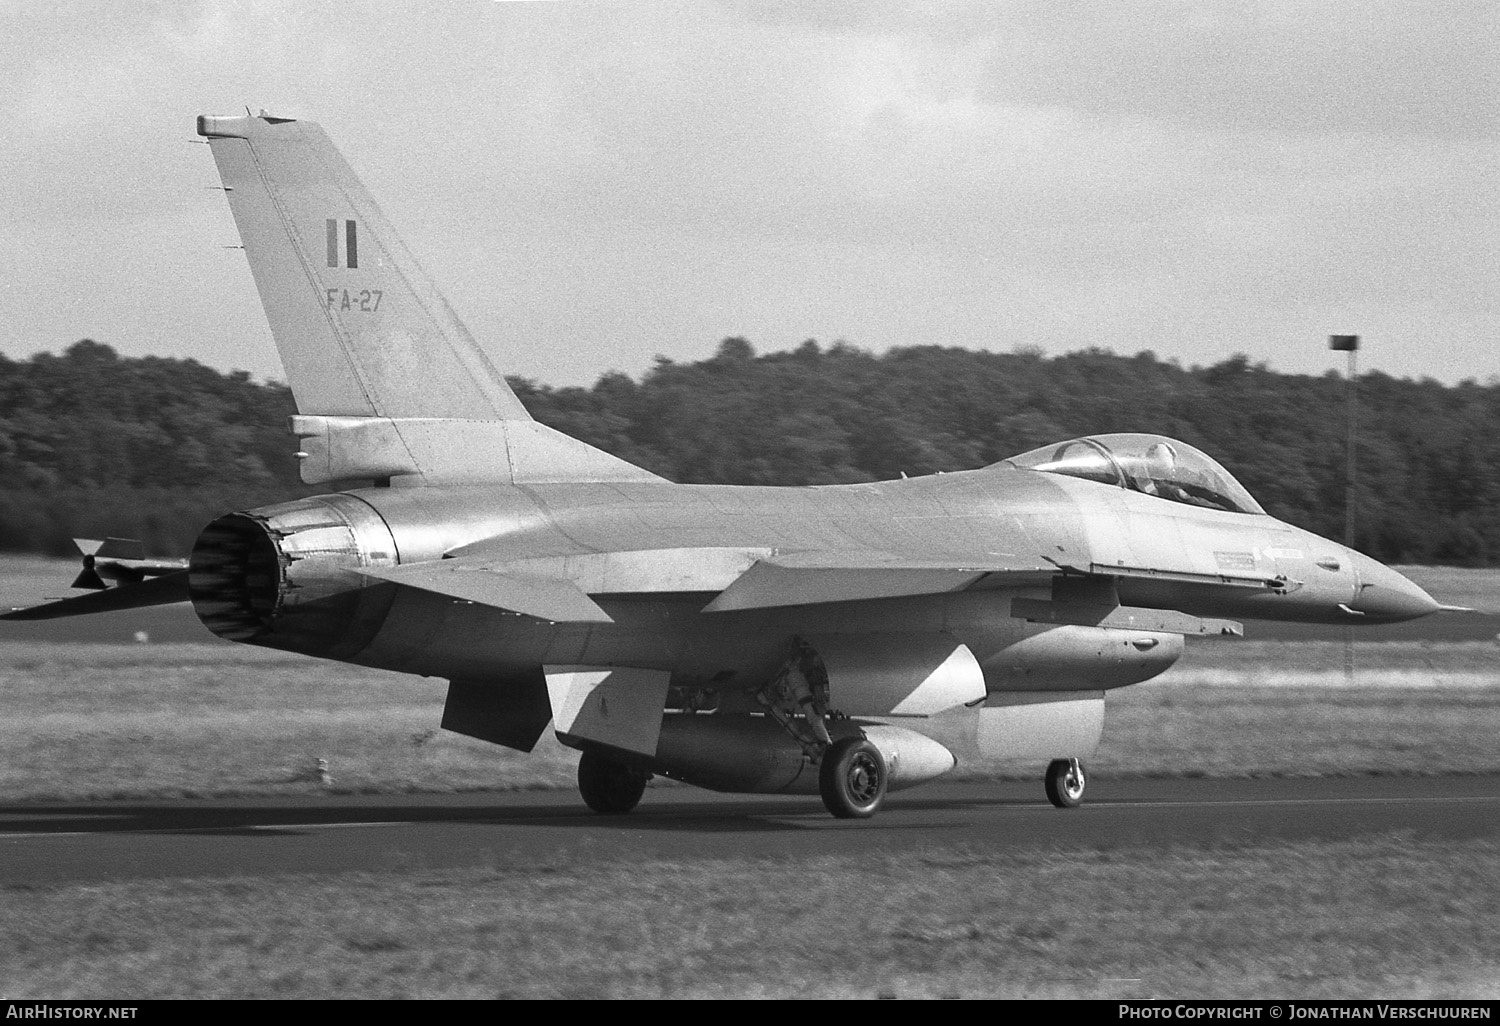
<point>341,834</point>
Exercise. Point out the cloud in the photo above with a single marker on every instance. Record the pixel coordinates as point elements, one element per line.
<point>596,183</point>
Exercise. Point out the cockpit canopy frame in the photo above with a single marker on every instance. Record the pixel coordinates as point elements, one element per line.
<point>1150,464</point>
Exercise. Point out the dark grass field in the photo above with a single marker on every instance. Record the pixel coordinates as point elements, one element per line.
<point>1386,917</point>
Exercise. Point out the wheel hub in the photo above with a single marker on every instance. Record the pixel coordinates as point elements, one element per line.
<point>864,778</point>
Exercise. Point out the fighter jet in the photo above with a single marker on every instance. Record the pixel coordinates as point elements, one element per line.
<point>843,640</point>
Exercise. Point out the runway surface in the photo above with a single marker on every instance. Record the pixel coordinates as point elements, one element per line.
<point>341,834</point>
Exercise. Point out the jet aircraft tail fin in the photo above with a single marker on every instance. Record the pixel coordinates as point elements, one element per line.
<point>361,328</point>
<point>388,380</point>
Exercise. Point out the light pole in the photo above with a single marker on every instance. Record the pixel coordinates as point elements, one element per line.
<point>1348,344</point>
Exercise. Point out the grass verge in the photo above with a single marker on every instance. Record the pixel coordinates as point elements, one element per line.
<point>1392,917</point>
<point>153,721</point>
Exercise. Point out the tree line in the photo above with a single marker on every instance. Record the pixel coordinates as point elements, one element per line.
<point>93,444</point>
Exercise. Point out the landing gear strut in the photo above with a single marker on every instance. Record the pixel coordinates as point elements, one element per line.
<point>1065,783</point>
<point>852,774</point>
<point>852,778</point>
<point>610,787</point>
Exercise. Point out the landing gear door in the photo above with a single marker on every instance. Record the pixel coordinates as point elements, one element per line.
<point>616,706</point>
<point>898,674</point>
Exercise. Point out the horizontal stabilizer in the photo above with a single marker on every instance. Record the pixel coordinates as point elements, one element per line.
<point>799,579</point>
<point>153,591</point>
<point>553,599</point>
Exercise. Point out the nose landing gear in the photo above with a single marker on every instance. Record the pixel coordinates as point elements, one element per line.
<point>1065,782</point>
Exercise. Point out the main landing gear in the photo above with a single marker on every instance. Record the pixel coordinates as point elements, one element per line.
<point>608,786</point>
<point>1065,783</point>
<point>852,778</point>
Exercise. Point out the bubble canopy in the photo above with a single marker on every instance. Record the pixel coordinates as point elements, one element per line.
<point>1151,464</point>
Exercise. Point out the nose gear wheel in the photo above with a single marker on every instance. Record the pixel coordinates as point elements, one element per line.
<point>1065,782</point>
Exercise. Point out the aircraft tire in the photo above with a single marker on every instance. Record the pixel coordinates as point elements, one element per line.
<point>852,778</point>
<point>609,787</point>
<point>1064,787</point>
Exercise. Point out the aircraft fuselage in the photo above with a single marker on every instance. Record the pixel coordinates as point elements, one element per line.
<point>1160,554</point>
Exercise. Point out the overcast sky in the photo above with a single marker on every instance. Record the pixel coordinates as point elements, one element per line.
<point>596,184</point>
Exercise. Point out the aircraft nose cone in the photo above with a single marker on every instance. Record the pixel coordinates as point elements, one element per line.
<point>1386,595</point>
